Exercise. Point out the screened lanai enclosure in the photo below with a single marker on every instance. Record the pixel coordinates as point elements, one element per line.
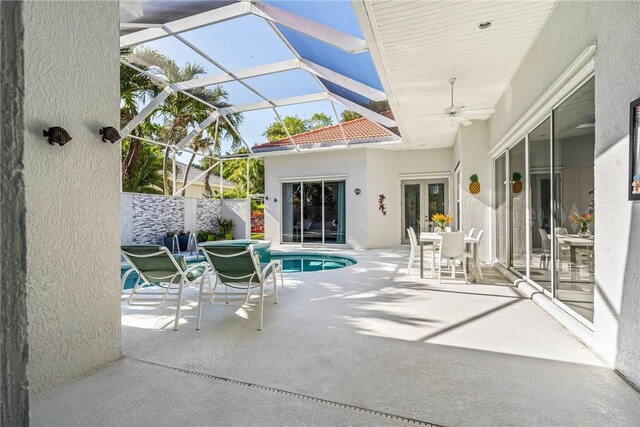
<point>247,64</point>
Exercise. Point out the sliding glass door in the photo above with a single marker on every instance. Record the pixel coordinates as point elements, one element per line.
<point>314,212</point>
<point>546,231</point>
<point>540,201</point>
<point>500,208</point>
<point>518,210</point>
<point>573,161</point>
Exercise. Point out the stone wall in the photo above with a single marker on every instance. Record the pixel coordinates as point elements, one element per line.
<point>206,212</point>
<point>146,218</point>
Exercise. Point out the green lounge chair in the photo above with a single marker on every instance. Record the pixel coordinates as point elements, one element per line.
<point>157,266</point>
<point>238,267</point>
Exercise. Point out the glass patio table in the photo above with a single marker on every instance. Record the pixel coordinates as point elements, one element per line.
<point>426,237</point>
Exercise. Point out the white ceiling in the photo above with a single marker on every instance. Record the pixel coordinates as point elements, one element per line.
<point>419,45</point>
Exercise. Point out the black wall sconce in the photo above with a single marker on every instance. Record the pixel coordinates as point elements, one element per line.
<point>109,134</point>
<point>56,135</point>
<point>357,191</point>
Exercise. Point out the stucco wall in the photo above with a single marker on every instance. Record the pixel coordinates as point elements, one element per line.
<point>472,146</point>
<point>571,28</point>
<point>350,162</point>
<point>72,192</point>
<point>374,171</point>
<point>239,210</point>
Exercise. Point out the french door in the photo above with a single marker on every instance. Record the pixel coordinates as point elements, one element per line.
<point>421,198</point>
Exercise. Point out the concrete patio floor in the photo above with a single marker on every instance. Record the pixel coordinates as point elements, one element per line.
<point>367,336</point>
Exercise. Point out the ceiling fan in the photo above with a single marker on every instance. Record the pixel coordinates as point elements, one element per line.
<point>459,113</point>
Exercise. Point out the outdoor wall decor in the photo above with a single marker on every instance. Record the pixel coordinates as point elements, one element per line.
<point>381,207</point>
<point>634,150</point>
<point>516,182</point>
<point>474,185</point>
<point>109,134</point>
<point>57,135</point>
<point>357,191</point>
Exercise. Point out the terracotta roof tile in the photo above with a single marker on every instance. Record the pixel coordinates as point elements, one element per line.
<point>360,129</point>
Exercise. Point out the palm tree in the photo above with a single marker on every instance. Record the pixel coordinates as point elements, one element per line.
<point>181,112</point>
<point>135,89</point>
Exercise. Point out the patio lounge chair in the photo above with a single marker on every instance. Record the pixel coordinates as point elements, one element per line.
<point>238,267</point>
<point>157,266</point>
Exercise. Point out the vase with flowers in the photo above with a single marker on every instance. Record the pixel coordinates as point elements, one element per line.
<point>583,222</point>
<point>442,220</point>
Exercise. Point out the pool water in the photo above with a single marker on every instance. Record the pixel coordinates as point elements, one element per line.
<point>306,262</point>
<point>298,262</point>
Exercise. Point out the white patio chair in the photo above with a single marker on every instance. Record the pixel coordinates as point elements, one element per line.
<point>470,254</point>
<point>546,248</point>
<point>415,250</point>
<point>470,233</point>
<point>452,247</point>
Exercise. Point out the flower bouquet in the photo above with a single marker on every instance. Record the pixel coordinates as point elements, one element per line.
<point>442,220</point>
<point>583,221</point>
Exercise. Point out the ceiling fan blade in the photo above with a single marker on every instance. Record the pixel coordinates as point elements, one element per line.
<point>463,120</point>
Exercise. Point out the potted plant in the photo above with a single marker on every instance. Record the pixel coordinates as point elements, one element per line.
<point>474,185</point>
<point>183,240</point>
<point>516,184</point>
<point>225,227</point>
<point>168,240</point>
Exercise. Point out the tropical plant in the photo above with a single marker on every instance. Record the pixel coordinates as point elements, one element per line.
<point>224,225</point>
<point>135,89</point>
<point>146,175</point>
<point>376,106</point>
<point>236,171</point>
<point>181,112</point>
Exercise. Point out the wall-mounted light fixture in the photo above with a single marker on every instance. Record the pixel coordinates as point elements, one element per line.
<point>56,135</point>
<point>109,134</point>
<point>357,191</point>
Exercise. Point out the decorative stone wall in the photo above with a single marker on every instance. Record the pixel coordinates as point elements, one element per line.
<point>206,212</point>
<point>146,218</point>
<point>154,215</point>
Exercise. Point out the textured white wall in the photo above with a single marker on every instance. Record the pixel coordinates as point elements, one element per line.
<point>239,210</point>
<point>472,145</point>
<point>571,28</point>
<point>373,171</point>
<point>351,162</point>
<point>72,192</point>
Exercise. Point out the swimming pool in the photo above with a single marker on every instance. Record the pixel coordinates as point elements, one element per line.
<point>292,262</point>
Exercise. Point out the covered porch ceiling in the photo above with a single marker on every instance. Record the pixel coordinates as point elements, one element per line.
<point>419,45</point>
<point>269,56</point>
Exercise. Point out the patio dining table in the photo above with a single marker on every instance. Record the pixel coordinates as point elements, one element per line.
<point>428,237</point>
<point>575,242</point>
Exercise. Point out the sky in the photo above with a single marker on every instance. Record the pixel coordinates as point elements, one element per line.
<point>249,41</point>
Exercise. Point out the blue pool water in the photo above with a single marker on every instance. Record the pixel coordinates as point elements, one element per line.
<point>298,262</point>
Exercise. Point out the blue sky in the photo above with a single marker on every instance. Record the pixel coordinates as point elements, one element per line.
<point>249,41</point>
